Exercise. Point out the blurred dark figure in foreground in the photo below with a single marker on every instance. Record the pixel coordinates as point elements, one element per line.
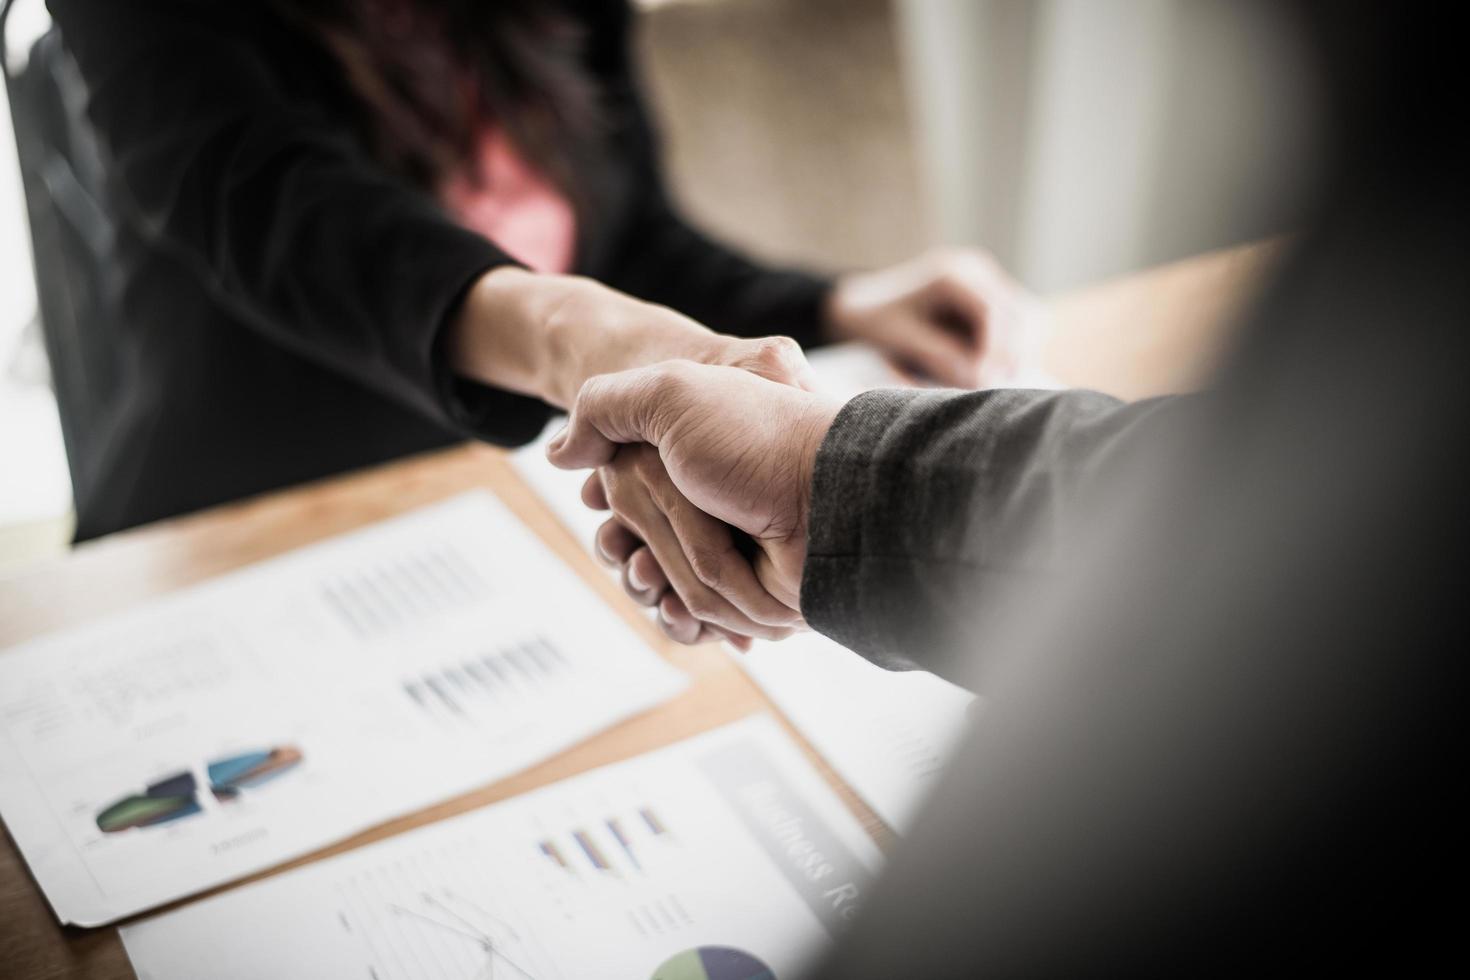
<point>334,232</point>
<point>1219,676</point>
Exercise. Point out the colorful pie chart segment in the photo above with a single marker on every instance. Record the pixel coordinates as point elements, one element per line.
<point>713,963</point>
<point>176,797</point>
<point>252,768</point>
<point>148,810</point>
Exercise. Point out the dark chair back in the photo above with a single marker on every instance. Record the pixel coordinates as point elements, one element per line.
<point>72,235</point>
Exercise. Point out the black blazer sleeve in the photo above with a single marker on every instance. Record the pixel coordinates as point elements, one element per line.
<point>276,205</point>
<point>671,262</point>
<point>663,258</point>
<point>929,507</point>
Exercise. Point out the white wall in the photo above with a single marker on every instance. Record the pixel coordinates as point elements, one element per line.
<point>1079,139</point>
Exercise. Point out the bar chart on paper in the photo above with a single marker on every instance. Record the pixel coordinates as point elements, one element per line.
<point>477,689</point>
<point>235,725</point>
<point>691,863</point>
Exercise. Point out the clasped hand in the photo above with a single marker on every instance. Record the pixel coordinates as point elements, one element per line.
<point>689,456</point>
<point>707,468</point>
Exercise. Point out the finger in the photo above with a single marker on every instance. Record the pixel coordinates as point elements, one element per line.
<point>704,603</point>
<point>940,355</point>
<point>778,359</point>
<point>635,505</point>
<point>645,574</point>
<point>612,409</point>
<point>614,543</point>
<point>981,291</point>
<point>640,595</point>
<point>593,494</point>
<point>960,295</point>
<point>781,587</point>
<point>678,624</point>
<point>742,644</point>
<point>676,621</point>
<point>710,548</point>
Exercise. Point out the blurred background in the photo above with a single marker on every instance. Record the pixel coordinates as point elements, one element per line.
<point>1075,139</point>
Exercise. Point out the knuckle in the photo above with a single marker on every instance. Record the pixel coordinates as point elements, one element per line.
<point>702,604</point>
<point>668,380</point>
<point>766,352</point>
<point>646,565</point>
<point>710,567</point>
<point>775,357</point>
<point>588,391</point>
<point>676,374</point>
<point>620,494</point>
<point>644,461</point>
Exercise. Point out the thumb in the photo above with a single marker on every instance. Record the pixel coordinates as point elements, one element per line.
<point>941,355</point>
<point>778,359</point>
<point>610,409</point>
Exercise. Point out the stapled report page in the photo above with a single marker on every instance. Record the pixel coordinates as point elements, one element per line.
<point>229,727</point>
<point>723,857</point>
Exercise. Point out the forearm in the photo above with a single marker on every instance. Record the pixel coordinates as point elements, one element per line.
<point>497,335</point>
<point>926,505</point>
<point>545,335</point>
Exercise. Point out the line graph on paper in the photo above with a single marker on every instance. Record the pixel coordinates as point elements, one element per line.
<point>498,941</point>
<point>436,916</point>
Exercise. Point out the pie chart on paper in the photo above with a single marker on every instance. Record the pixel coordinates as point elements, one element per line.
<point>713,963</point>
<point>177,796</point>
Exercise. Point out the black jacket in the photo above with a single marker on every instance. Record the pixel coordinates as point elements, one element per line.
<point>278,296</point>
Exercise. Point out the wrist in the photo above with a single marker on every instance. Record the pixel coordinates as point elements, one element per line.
<point>836,310</point>
<point>489,338</point>
<point>587,329</point>
<point>811,433</point>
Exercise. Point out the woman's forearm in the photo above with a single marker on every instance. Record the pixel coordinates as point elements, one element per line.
<point>544,335</point>
<point>495,337</point>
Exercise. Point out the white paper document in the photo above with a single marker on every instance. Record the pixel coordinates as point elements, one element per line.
<point>887,734</point>
<point>724,857</point>
<point>229,727</point>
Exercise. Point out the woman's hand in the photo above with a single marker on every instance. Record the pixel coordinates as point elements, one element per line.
<point>544,335</point>
<point>950,316</point>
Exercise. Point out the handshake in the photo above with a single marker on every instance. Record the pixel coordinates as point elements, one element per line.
<point>696,462</point>
<point>705,446</point>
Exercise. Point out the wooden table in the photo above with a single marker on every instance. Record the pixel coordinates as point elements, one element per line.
<point>1155,332</point>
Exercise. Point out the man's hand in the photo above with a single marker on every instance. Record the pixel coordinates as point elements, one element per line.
<point>951,316</point>
<point>663,542</point>
<point>737,448</point>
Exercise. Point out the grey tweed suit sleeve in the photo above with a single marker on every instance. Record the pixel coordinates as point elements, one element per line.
<point>926,505</point>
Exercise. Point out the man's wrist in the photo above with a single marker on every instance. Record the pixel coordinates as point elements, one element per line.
<point>812,433</point>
